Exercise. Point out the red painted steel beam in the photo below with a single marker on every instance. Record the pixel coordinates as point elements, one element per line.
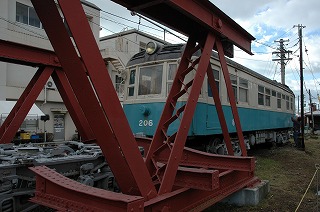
<point>179,143</point>
<point>199,159</point>
<point>202,179</point>
<point>27,55</point>
<point>218,105</point>
<point>72,104</point>
<point>31,56</point>
<point>185,199</point>
<point>59,192</point>
<point>194,158</point>
<point>192,17</point>
<point>122,156</point>
<point>96,68</point>
<point>19,112</point>
<point>159,137</point>
<point>62,193</point>
<point>91,58</point>
<point>231,96</point>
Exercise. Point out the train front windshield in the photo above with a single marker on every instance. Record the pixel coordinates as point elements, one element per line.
<point>150,80</point>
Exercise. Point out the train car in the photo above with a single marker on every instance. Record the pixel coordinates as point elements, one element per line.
<point>265,106</point>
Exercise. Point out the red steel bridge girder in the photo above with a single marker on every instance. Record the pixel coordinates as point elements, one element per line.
<point>123,155</point>
<point>204,24</point>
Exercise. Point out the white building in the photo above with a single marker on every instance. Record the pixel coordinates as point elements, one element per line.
<point>20,24</point>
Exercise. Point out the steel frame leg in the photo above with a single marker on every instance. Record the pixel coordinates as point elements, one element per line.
<point>107,120</point>
<point>19,112</point>
<point>72,104</point>
<point>217,102</point>
<point>231,97</point>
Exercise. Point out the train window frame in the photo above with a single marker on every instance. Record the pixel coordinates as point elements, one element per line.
<point>279,100</point>
<point>261,90</point>
<point>170,80</point>
<point>243,87</point>
<point>131,82</point>
<point>268,97</point>
<point>158,91</point>
<point>287,102</point>
<point>234,84</point>
<point>216,75</point>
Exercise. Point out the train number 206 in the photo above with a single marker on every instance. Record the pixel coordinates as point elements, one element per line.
<point>145,123</point>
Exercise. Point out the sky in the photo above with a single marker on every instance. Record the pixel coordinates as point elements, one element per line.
<point>267,20</point>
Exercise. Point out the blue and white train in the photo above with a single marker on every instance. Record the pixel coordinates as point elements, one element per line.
<point>265,106</point>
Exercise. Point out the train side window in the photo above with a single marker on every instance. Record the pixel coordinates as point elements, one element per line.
<point>243,90</point>
<point>287,103</point>
<point>268,93</point>
<point>150,80</point>
<point>234,83</point>
<point>260,95</point>
<point>279,100</point>
<point>217,79</point>
<point>172,68</point>
<point>131,82</point>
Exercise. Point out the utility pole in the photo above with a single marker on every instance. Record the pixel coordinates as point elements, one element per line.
<point>298,103</point>
<point>282,54</point>
<point>300,27</point>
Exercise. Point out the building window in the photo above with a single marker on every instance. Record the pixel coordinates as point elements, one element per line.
<point>172,68</point>
<point>27,15</point>
<point>279,100</point>
<point>131,82</point>
<point>260,95</point>
<point>119,84</point>
<point>243,90</point>
<point>291,101</point>
<point>274,93</point>
<point>268,93</point>
<point>217,79</point>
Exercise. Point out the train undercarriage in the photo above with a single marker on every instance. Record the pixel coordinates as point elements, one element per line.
<point>215,144</point>
<point>81,162</point>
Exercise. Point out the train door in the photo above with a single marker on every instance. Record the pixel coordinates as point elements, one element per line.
<point>58,127</point>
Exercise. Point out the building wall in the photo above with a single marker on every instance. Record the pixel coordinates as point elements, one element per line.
<point>14,78</point>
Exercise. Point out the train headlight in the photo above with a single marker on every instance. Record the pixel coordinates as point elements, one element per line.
<point>151,47</point>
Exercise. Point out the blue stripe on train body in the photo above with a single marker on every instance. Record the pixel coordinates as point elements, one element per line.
<point>144,118</point>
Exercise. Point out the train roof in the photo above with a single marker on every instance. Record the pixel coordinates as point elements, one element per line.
<point>174,51</point>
